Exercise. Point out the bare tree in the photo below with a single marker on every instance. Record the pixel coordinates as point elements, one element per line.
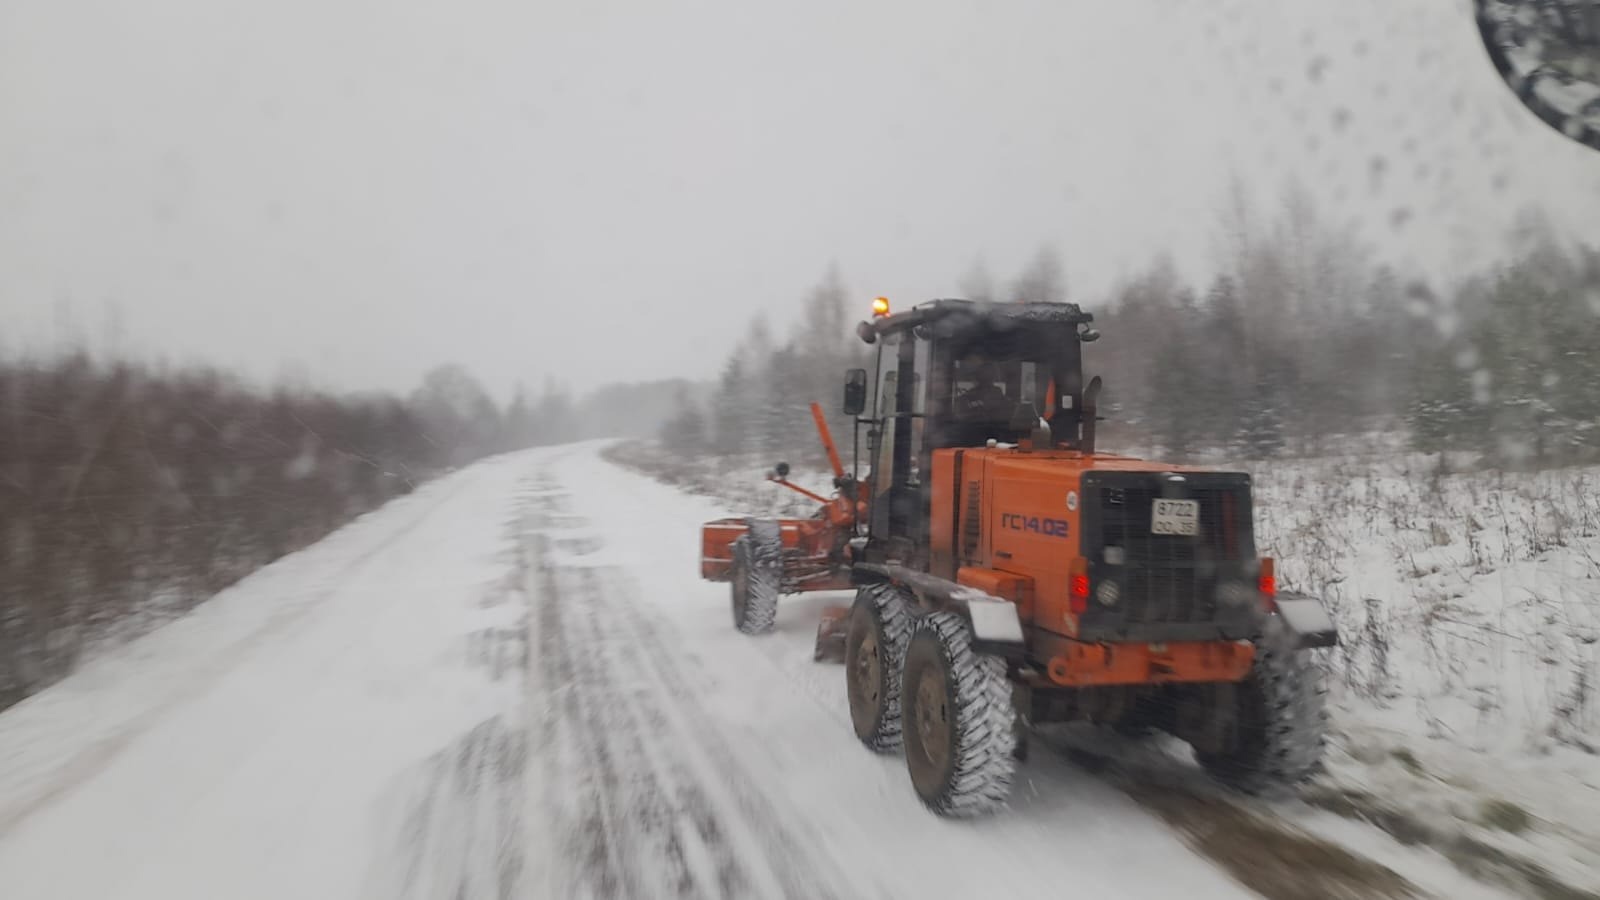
<point>1042,279</point>
<point>127,496</point>
<point>977,284</point>
<point>457,412</point>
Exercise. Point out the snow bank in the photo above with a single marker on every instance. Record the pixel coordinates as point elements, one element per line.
<point>265,744</point>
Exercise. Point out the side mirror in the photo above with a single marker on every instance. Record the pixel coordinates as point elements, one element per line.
<point>1548,52</point>
<point>855,392</point>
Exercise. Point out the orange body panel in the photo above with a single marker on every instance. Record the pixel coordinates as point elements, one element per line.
<point>716,547</point>
<point>1034,531</point>
<point>1005,585</point>
<point>1026,527</point>
<point>716,543</point>
<point>1081,664</point>
<point>806,543</point>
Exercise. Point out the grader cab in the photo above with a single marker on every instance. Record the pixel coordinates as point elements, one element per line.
<point>1008,573</point>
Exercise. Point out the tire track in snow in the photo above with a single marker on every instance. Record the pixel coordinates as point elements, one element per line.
<point>796,872</point>
<point>692,728</point>
<point>577,753</point>
<point>660,808</point>
<point>1244,835</point>
<point>661,778</point>
<point>458,820</point>
<point>460,823</point>
<point>623,819</point>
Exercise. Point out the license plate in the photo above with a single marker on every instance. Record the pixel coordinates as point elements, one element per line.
<point>1180,517</point>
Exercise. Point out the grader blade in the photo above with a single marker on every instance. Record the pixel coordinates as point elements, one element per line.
<point>831,631</point>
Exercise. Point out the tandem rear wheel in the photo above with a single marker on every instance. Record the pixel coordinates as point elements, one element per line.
<point>880,627</point>
<point>914,681</point>
<point>960,725</point>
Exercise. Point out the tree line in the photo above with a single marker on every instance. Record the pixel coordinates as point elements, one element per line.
<point>761,401</point>
<point>128,493</point>
<point>1301,343</point>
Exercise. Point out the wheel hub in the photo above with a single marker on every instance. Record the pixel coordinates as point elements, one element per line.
<point>868,667</point>
<point>933,719</point>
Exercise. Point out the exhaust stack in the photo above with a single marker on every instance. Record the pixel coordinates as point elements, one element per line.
<point>1091,414</point>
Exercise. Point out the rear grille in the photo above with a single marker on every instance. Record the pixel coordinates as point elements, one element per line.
<point>1166,593</point>
<point>1167,579</point>
<point>973,520</point>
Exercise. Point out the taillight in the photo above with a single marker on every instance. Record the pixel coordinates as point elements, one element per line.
<point>1078,585</point>
<point>1267,581</point>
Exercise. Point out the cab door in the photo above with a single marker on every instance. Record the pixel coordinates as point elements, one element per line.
<point>898,520</point>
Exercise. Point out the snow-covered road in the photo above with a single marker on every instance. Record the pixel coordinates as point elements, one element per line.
<point>512,684</point>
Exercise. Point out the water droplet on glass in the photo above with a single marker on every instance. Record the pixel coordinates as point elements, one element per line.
<point>1480,387</point>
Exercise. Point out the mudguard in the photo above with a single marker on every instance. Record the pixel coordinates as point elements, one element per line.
<point>995,623</point>
<point>1308,621</point>
<point>996,627</point>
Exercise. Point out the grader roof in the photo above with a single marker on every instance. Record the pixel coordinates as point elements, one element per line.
<point>954,316</point>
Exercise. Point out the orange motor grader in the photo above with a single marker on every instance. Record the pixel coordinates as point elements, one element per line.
<point>1008,573</point>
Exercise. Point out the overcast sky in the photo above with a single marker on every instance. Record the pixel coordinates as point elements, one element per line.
<point>355,190</point>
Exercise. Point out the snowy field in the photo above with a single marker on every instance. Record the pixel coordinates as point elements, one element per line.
<point>512,684</point>
<point>1467,714</point>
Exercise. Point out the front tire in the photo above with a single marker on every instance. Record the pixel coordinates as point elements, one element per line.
<point>1280,719</point>
<point>756,578</point>
<point>960,735</point>
<point>880,626</point>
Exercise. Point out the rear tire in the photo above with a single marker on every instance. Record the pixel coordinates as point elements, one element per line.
<point>874,650</point>
<point>1281,716</point>
<point>960,735</point>
<point>756,578</point>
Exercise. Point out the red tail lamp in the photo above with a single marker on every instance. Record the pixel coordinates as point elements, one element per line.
<point>1267,581</point>
<point>1078,585</point>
